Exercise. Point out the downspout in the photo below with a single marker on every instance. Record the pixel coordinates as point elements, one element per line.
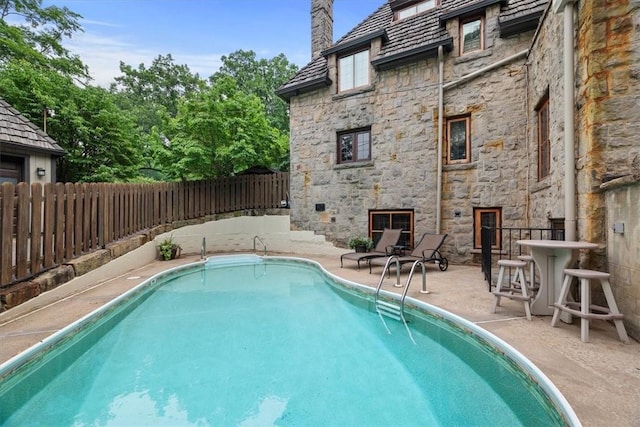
<point>440,125</point>
<point>569,127</point>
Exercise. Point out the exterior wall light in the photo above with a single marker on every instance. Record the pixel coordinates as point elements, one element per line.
<point>41,172</point>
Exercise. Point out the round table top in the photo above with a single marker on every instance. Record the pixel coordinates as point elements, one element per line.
<point>558,244</point>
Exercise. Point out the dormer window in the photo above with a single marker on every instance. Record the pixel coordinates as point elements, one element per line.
<point>471,34</point>
<point>415,8</point>
<point>353,71</point>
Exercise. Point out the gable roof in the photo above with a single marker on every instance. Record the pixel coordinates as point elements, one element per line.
<point>18,131</point>
<point>412,38</point>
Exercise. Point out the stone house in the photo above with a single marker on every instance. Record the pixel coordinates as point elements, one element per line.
<point>27,154</point>
<point>446,115</point>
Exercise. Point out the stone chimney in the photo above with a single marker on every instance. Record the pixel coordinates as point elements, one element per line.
<point>321,26</point>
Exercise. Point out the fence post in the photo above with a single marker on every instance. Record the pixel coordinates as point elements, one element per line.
<point>36,228</point>
<point>6,255</point>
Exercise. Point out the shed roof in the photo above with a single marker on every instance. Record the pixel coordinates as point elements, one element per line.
<point>410,39</point>
<point>18,131</point>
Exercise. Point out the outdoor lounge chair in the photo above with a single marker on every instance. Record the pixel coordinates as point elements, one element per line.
<point>428,249</point>
<point>383,248</point>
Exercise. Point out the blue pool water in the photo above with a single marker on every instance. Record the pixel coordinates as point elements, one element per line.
<point>268,343</point>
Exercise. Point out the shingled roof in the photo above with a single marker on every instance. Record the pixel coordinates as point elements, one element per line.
<point>412,38</point>
<point>16,130</point>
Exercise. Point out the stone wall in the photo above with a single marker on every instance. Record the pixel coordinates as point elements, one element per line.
<point>609,125</point>
<point>401,106</point>
<point>608,157</point>
<point>545,78</point>
<point>607,74</point>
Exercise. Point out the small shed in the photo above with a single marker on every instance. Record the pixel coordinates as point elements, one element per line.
<point>27,154</point>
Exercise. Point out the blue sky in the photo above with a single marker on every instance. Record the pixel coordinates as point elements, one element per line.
<point>198,32</point>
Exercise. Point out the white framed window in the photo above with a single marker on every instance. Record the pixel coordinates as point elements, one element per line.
<point>416,8</point>
<point>353,71</point>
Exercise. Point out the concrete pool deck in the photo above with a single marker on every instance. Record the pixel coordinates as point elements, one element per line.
<point>600,379</point>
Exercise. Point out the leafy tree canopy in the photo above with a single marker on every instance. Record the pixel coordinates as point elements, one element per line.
<point>35,34</point>
<point>221,131</point>
<point>161,118</point>
<point>260,77</point>
<point>163,83</point>
<point>99,138</point>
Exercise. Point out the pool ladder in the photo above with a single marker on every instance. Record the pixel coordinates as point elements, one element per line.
<point>393,309</point>
<point>258,239</point>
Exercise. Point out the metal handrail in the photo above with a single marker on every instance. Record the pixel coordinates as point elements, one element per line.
<point>386,267</point>
<point>257,238</point>
<point>424,282</point>
<point>396,260</point>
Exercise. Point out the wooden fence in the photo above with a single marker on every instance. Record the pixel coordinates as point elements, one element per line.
<point>42,226</point>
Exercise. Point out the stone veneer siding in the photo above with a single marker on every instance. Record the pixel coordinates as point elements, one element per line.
<point>401,106</point>
<point>607,60</point>
<point>608,130</point>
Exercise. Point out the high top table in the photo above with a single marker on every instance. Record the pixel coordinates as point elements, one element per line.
<point>551,258</point>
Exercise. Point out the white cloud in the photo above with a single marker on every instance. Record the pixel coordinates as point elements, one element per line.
<point>103,56</point>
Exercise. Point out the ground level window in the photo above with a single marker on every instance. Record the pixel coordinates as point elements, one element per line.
<point>488,218</point>
<point>403,219</point>
<point>557,228</point>
<point>354,146</point>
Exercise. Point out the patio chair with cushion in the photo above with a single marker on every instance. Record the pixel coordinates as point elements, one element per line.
<point>428,249</point>
<point>385,247</point>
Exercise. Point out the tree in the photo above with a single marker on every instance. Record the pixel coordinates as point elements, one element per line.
<point>151,96</point>
<point>260,77</point>
<point>162,84</point>
<point>221,131</point>
<point>99,138</point>
<point>38,37</point>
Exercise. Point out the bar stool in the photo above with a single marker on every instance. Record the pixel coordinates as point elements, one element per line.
<point>532,271</point>
<point>514,289</point>
<point>584,309</point>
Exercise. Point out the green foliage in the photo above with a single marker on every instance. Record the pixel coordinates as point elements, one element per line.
<point>219,132</point>
<point>38,38</point>
<point>156,122</point>
<point>99,138</point>
<point>169,248</point>
<point>260,77</point>
<point>365,242</point>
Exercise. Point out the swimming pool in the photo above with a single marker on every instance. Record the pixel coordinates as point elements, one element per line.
<point>244,340</point>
